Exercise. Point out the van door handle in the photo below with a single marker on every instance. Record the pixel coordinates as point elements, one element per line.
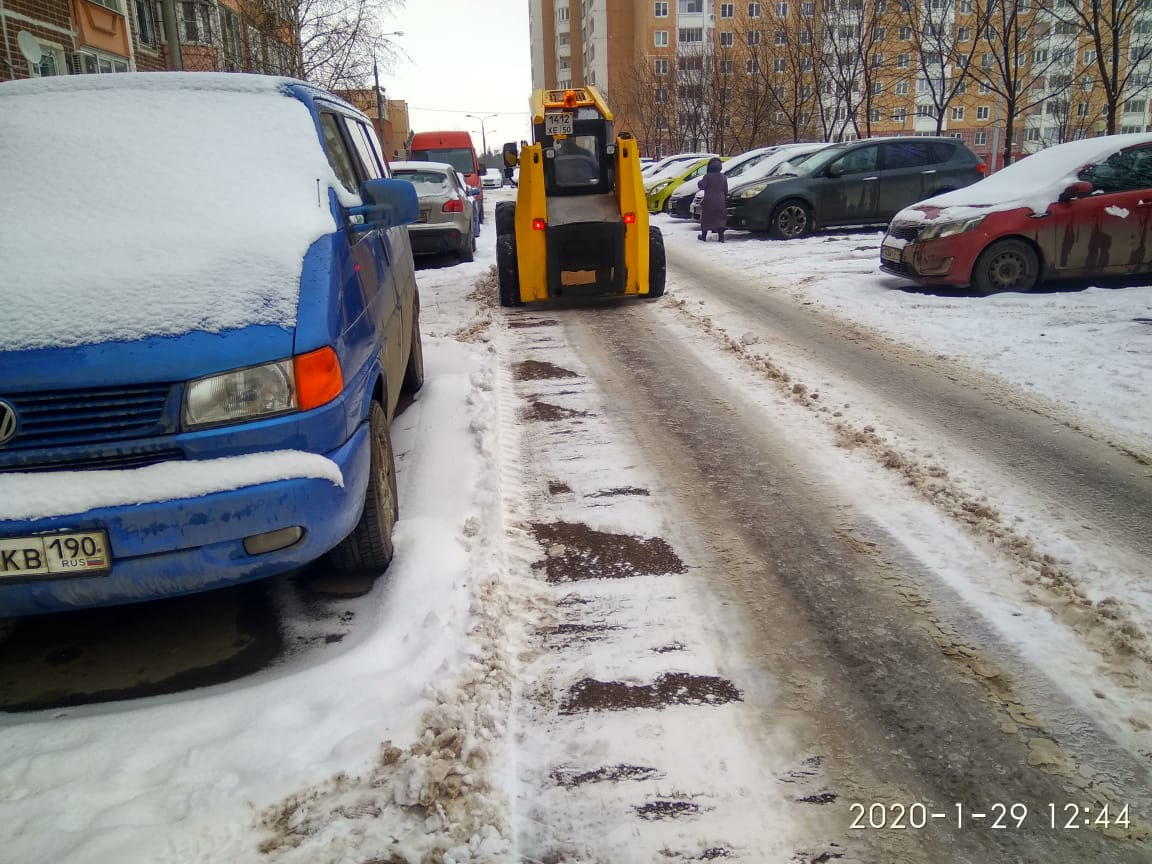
<point>929,171</point>
<point>872,178</point>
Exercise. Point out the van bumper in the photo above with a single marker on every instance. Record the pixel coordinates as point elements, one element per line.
<point>182,546</point>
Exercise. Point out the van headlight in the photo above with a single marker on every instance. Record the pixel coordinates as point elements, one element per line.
<point>240,395</point>
<point>949,229</point>
<point>751,191</point>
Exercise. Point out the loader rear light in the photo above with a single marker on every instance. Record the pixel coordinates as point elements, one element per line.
<point>453,206</point>
<point>629,218</point>
<point>539,224</point>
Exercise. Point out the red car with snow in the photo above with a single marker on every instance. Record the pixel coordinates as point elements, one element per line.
<point>1082,209</point>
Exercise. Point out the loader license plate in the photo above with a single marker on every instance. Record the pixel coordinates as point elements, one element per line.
<point>76,553</point>
<point>558,124</point>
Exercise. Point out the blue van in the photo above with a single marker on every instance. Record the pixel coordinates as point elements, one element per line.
<point>209,314</point>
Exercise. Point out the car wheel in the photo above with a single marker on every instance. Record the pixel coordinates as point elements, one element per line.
<point>505,218</point>
<point>467,248</point>
<point>791,220</point>
<point>507,271</point>
<point>666,207</point>
<point>1007,265</point>
<point>414,371</point>
<point>657,263</point>
<point>368,549</point>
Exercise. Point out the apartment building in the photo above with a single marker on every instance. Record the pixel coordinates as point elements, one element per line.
<point>62,37</point>
<point>710,75</point>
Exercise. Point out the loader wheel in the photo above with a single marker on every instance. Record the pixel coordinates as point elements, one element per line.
<point>505,218</point>
<point>507,271</point>
<point>657,265</point>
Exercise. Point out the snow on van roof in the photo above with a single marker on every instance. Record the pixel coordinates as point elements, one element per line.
<point>150,204</point>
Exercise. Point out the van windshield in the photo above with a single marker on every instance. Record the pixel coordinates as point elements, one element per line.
<point>459,158</point>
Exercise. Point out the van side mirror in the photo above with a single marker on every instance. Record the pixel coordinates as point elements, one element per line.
<point>1079,189</point>
<point>511,157</point>
<point>387,204</point>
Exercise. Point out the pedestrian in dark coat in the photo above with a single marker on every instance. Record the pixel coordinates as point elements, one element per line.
<point>714,207</point>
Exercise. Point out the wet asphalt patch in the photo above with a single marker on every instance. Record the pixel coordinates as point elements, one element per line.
<point>577,552</point>
<point>539,370</point>
<point>619,490</point>
<point>666,809</point>
<point>520,323</point>
<point>669,648</point>
<point>671,688</point>
<point>557,487</point>
<point>539,410</point>
<point>609,774</point>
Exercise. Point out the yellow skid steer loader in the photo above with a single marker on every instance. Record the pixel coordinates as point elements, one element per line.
<point>579,225</point>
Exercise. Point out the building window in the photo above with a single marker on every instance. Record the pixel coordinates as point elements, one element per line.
<point>1087,83</point>
<point>981,139</point>
<point>901,88</point>
<point>1089,56</point>
<point>985,88</point>
<point>806,37</point>
<point>957,113</point>
<point>962,88</point>
<point>661,38</point>
<point>754,37</point>
<point>562,14</point>
<point>727,39</point>
<point>901,61</point>
<point>782,10</point>
<point>965,7</point>
<point>1082,109</point>
<point>780,37</point>
<point>196,22</point>
<point>661,10</point>
<point>232,43</point>
<point>727,10</point>
<point>51,62</point>
<point>905,34</point>
<point>691,7</point>
<point>805,64</point>
<point>752,66</point>
<point>877,88</point>
<point>690,35</point>
<point>985,61</point>
<point>145,22</point>
<point>923,110</point>
<point>779,65</point>
<point>983,112</point>
<point>963,34</point>
<point>88,62</point>
<point>922,85</point>
<point>900,114</point>
<point>808,10</point>
<point>727,67</point>
<point>874,115</point>
<point>690,64</point>
<point>1135,106</point>
<point>114,5</point>
<point>753,10</point>
<point>662,66</point>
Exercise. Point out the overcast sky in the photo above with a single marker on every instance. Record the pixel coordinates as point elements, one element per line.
<point>463,57</point>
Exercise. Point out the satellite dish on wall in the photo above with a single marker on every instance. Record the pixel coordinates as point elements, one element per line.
<point>29,47</point>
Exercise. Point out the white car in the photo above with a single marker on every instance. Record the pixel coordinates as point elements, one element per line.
<point>492,178</point>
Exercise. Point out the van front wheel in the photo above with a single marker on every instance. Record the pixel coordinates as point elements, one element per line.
<point>368,549</point>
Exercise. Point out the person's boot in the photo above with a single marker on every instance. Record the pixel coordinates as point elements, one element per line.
<point>721,234</point>
<point>702,236</point>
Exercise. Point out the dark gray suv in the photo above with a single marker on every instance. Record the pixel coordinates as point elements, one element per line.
<point>858,183</point>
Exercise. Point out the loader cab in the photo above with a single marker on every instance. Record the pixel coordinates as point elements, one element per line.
<point>580,162</point>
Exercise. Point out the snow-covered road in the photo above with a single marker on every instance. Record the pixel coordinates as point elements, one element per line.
<point>900,621</point>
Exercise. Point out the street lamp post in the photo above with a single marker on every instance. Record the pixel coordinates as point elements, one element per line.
<point>483,135</point>
<point>376,79</point>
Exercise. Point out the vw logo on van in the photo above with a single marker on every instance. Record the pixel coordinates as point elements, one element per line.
<point>7,422</point>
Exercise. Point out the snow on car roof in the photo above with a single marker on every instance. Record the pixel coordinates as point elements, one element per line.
<point>421,166</point>
<point>1035,181</point>
<point>155,204</point>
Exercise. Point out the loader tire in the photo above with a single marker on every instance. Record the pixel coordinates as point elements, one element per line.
<point>507,271</point>
<point>505,218</point>
<point>657,264</point>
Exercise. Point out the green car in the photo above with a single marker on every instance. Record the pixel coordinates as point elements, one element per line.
<point>658,189</point>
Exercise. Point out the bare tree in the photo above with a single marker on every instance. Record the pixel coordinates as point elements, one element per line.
<point>944,35</point>
<point>1022,55</point>
<point>1120,35</point>
<point>341,40</point>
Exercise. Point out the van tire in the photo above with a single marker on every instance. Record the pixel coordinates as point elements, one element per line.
<point>657,263</point>
<point>505,218</point>
<point>507,271</point>
<point>368,549</point>
<point>414,371</point>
